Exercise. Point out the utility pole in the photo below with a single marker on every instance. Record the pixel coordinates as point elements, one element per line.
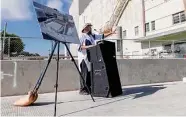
<point>9,48</point>
<point>2,41</point>
<point>52,45</point>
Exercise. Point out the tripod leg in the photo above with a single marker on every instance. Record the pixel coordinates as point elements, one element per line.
<point>79,71</point>
<point>43,73</point>
<point>57,75</point>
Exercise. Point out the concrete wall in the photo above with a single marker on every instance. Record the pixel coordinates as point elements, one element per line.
<point>151,71</point>
<point>21,76</point>
<point>184,1</point>
<point>132,17</point>
<point>18,77</point>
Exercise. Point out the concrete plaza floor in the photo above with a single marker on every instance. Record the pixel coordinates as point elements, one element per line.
<point>155,99</point>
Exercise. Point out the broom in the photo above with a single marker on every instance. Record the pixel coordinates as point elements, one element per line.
<point>33,95</point>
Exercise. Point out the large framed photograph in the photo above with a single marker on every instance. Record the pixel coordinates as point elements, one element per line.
<point>55,25</point>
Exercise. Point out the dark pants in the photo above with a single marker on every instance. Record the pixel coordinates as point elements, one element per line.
<point>86,76</point>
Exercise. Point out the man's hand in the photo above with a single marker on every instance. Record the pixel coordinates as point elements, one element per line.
<point>114,30</point>
<point>109,32</point>
<point>90,46</point>
<point>86,47</point>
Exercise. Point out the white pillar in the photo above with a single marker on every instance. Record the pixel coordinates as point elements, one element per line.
<point>119,39</point>
<point>65,51</point>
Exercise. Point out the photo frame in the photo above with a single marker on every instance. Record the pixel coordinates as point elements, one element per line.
<point>55,25</point>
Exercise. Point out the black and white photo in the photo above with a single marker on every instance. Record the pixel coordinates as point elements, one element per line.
<point>55,25</point>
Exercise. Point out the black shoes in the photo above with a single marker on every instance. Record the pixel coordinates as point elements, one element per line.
<point>83,92</point>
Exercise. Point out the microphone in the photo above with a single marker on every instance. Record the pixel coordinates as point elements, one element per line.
<point>96,31</point>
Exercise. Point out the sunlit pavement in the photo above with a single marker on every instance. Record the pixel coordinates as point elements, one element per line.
<point>154,99</point>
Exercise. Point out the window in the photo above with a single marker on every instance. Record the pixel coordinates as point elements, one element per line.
<point>136,30</point>
<point>147,27</point>
<point>124,34</point>
<point>176,18</point>
<point>179,17</point>
<point>119,45</point>
<point>153,25</point>
<point>183,17</point>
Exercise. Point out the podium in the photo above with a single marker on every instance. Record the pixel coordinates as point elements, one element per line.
<point>105,80</point>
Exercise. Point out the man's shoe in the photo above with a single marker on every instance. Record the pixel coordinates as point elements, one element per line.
<point>83,93</point>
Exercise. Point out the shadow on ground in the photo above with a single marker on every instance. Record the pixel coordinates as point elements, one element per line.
<point>142,90</point>
<point>48,103</point>
<point>135,92</point>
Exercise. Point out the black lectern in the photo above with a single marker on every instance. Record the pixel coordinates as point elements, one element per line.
<point>105,80</point>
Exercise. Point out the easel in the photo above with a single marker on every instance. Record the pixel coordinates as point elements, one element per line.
<point>57,43</point>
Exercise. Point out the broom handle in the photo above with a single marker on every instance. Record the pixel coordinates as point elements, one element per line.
<point>43,73</point>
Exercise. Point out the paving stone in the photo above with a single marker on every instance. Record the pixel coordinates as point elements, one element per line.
<point>154,99</point>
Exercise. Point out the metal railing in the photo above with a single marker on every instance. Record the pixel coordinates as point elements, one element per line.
<point>150,49</point>
<point>34,48</point>
<point>28,48</point>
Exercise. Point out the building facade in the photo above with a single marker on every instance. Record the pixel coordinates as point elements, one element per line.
<point>144,26</point>
<point>165,20</point>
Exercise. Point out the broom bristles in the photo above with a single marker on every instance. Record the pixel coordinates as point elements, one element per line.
<point>27,100</point>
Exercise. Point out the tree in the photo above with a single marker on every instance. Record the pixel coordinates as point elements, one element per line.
<point>36,54</point>
<point>29,54</point>
<point>25,53</point>
<point>16,44</point>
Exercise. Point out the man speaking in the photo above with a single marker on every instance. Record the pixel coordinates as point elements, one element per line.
<point>87,40</point>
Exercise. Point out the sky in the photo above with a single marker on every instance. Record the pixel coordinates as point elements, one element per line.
<point>21,20</point>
